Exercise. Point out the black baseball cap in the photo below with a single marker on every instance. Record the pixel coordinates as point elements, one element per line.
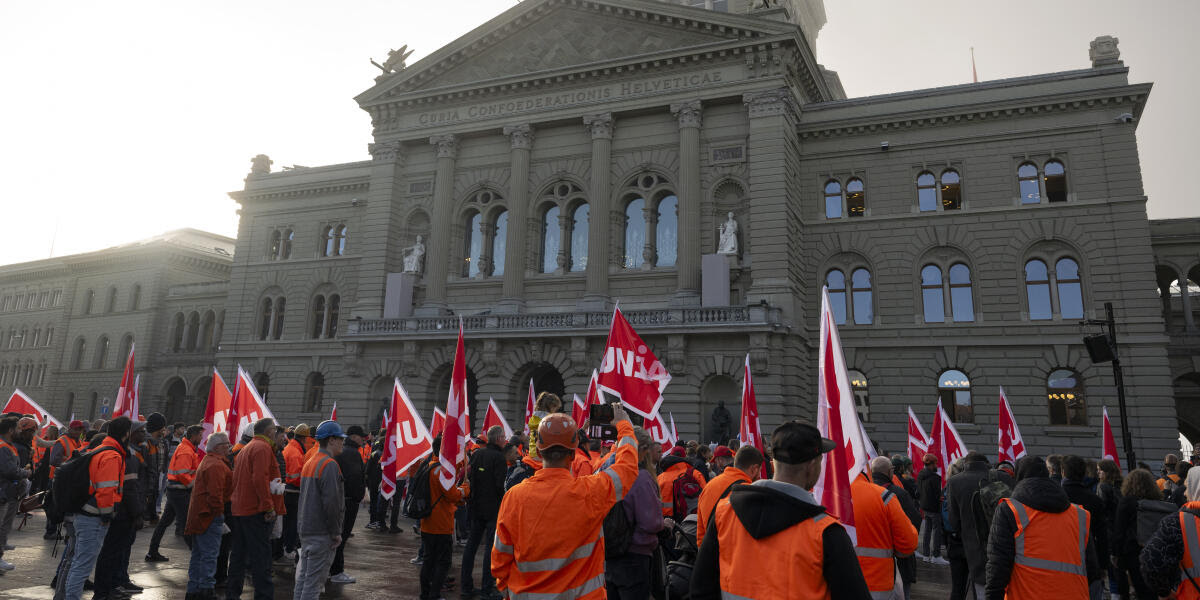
<point>796,442</point>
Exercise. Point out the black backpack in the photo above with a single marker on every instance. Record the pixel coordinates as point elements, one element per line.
<point>1149,514</point>
<point>418,498</point>
<point>71,482</point>
<point>618,531</point>
<point>984,500</point>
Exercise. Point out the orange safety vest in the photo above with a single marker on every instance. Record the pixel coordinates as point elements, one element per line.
<point>788,564</point>
<point>582,465</point>
<point>1190,565</point>
<point>106,475</point>
<point>365,452</point>
<point>883,531</point>
<point>293,459</point>
<point>184,462</point>
<point>666,484</point>
<point>69,448</point>
<point>1051,553</point>
<point>1162,483</point>
<point>712,494</point>
<point>314,468</point>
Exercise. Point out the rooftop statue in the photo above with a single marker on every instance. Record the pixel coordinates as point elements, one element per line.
<point>395,60</point>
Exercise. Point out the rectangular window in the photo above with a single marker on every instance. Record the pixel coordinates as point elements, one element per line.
<point>57,301</point>
<point>1039,301</point>
<point>935,306</point>
<point>1070,300</point>
<point>44,300</point>
<point>20,301</point>
<point>960,302</point>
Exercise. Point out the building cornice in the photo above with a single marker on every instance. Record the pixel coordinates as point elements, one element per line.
<point>317,188</point>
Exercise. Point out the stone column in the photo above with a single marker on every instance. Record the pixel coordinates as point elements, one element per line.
<point>563,259</point>
<point>378,230</point>
<point>771,150</point>
<point>437,261</point>
<point>1189,320</point>
<point>512,299</point>
<point>687,263</point>
<point>599,245</point>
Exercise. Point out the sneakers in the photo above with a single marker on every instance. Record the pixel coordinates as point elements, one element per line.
<point>342,578</point>
<point>373,525</point>
<point>154,557</point>
<point>921,557</point>
<point>5,565</point>
<point>417,560</point>
<point>131,587</point>
<point>937,560</point>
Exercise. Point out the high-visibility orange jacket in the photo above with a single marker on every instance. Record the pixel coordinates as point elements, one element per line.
<point>884,532</point>
<point>1051,553</point>
<point>666,483</point>
<point>253,470</point>
<point>293,459</point>
<point>560,554</point>
<point>67,446</point>
<point>184,462</point>
<point>712,493</point>
<point>1189,525</point>
<point>311,452</point>
<point>1162,483</point>
<point>599,458</point>
<point>106,474</point>
<point>446,501</point>
<point>582,467</point>
<point>38,453</point>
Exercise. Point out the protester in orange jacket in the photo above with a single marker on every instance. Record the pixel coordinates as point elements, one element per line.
<point>672,468</point>
<point>437,530</point>
<point>180,474</point>
<point>256,502</point>
<point>106,474</point>
<point>884,533</point>
<point>206,514</point>
<point>747,464</point>
<point>294,458</point>
<point>555,553</point>
<point>582,465</point>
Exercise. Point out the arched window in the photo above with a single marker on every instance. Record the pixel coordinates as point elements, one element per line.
<point>207,325</point>
<point>331,323</point>
<point>314,392</point>
<point>1070,288</point>
<point>264,322</point>
<point>635,233</point>
<point>275,247</point>
<point>833,199</point>
<point>126,346</point>
<point>341,236</point>
<point>1029,184</point>
<point>1064,394</point>
<point>961,299</point>
<point>327,240</point>
<point>49,335</point>
<point>951,190</point>
<point>41,375</point>
<point>931,294</point>
<point>550,239</point>
<point>112,300</point>
<point>37,337</point>
<point>89,297</point>
<point>579,238</point>
<point>954,390</point>
<point>1037,290</point>
<point>856,198</point>
<point>835,280</point>
<point>21,337</point>
<point>499,243</point>
<point>193,331</point>
<point>863,307</point>
<point>1056,181</point>
<point>285,249</point>
<point>135,298</point>
<point>318,317</point>
<point>325,312</point>
<point>667,243</point>
<point>277,327</point>
<point>101,352</point>
<point>77,355</point>
<point>473,245</point>
<point>926,192</point>
<point>862,400</point>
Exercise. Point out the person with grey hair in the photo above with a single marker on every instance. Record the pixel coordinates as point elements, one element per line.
<point>882,470</point>
<point>1162,559</point>
<point>206,516</point>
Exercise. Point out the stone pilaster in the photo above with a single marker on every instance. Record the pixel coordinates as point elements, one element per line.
<point>515,253</point>
<point>772,117</point>
<point>599,213</point>
<point>687,263</point>
<point>1189,319</point>
<point>377,231</point>
<point>438,259</point>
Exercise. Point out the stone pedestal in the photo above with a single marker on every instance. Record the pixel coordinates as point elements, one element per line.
<point>715,279</point>
<point>398,296</point>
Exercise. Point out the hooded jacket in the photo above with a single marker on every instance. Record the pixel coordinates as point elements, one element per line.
<point>1038,493</point>
<point>766,509</point>
<point>959,491</point>
<point>353,471</point>
<point>1078,493</point>
<point>929,484</point>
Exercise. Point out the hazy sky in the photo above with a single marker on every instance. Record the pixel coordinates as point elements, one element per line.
<point>120,120</point>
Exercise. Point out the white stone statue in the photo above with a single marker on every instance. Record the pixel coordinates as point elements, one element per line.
<point>728,243</point>
<point>414,256</point>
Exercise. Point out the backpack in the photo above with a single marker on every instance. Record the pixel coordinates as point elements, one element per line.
<point>71,482</point>
<point>418,498</point>
<point>984,500</point>
<point>618,531</point>
<point>1149,514</point>
<point>685,494</point>
<point>520,472</point>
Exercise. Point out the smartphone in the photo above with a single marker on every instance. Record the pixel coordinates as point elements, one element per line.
<point>600,427</point>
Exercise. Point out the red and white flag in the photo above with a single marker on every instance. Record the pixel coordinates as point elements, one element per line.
<point>1012,446</point>
<point>1110,442</point>
<point>245,406</point>
<point>493,418</point>
<point>136,402</point>
<point>658,432</point>
<point>674,432</point>
<point>217,408</point>
<point>123,405</point>
<point>945,443</point>
<point>529,400</point>
<point>457,430</point>
<point>20,402</point>
<point>438,423</point>
<point>749,428</point>
<point>333,413</point>
<point>594,395</point>
<point>406,440</point>
<point>837,419</point>
<point>579,410</point>
<point>630,371</point>
<point>918,442</point>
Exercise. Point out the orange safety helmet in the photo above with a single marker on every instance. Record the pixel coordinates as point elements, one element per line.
<point>557,429</point>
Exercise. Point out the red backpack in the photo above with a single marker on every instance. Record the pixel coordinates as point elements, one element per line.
<point>685,494</point>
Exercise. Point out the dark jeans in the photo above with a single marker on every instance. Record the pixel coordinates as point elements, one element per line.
<point>176,512</point>
<point>251,546</point>
<point>377,501</point>
<point>339,557</point>
<point>436,565</point>
<point>628,577</point>
<point>932,529</point>
<point>1133,575</point>
<point>291,537</point>
<point>960,574</point>
<point>117,544</point>
<point>484,532</point>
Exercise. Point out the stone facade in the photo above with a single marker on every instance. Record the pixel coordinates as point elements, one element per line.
<point>1177,259</point>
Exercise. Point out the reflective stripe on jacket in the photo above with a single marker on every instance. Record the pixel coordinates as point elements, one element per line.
<point>182,470</point>
<point>106,474</point>
<point>293,458</point>
<point>788,564</point>
<point>1189,567</point>
<point>1051,551</point>
<point>884,531</point>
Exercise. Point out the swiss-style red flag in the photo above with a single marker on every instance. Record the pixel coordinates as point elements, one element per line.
<point>456,432</point>
<point>674,432</point>
<point>594,395</point>
<point>493,418</point>
<point>217,409</point>
<point>945,443</point>
<point>630,371</point>
<point>918,442</point>
<point>406,442</point>
<point>122,406</point>
<point>658,432</point>
<point>749,429</point>
<point>20,402</point>
<point>438,423</point>
<point>837,419</point>
<point>1012,446</point>
<point>529,401</point>
<point>333,413</point>
<point>579,410</point>
<point>1110,443</point>
<point>245,406</point>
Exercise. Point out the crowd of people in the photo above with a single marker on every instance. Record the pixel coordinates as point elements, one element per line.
<point>628,522</point>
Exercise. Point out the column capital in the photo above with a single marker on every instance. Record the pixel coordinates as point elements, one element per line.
<point>447,145</point>
<point>600,124</point>
<point>521,135</point>
<point>688,113</point>
<point>386,151</point>
<point>770,103</point>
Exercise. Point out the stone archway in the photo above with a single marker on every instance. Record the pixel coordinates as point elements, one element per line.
<point>379,397</point>
<point>441,391</point>
<point>1187,405</point>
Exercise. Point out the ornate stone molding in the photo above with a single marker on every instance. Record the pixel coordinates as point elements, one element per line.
<point>520,135</point>
<point>447,145</point>
<point>771,103</point>
<point>386,151</point>
<point>601,125</point>
<point>1103,51</point>
<point>689,113</point>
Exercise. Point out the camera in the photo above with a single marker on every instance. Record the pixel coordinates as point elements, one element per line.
<point>600,427</point>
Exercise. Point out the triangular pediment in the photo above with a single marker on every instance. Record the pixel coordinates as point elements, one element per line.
<point>545,36</point>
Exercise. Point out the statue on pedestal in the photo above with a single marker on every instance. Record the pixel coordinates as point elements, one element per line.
<point>728,243</point>
<point>414,256</point>
<point>720,424</point>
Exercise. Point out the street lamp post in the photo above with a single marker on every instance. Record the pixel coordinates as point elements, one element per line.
<point>1103,348</point>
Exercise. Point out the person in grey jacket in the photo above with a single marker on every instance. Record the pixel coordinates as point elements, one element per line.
<point>321,508</point>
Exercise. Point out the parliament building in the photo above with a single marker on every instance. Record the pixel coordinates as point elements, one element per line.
<point>693,164</point>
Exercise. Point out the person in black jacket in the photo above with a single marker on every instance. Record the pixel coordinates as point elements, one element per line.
<point>1164,551</point>
<point>1036,490</point>
<point>963,518</point>
<point>881,475</point>
<point>486,473</point>
<point>929,483</point>
<point>1138,485</point>
<point>374,478</point>
<point>354,487</point>
<point>1074,471</point>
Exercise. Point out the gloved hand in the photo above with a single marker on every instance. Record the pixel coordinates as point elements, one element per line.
<point>277,486</point>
